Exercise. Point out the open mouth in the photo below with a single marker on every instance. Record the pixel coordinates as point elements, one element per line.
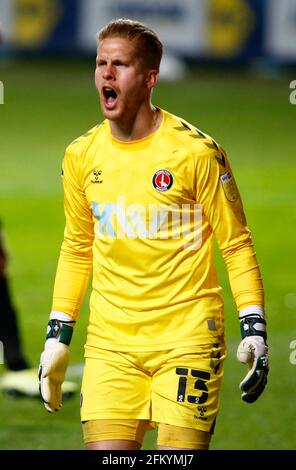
<point>110,97</point>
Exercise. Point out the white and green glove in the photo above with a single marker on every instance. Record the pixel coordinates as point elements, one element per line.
<point>54,359</point>
<point>253,351</point>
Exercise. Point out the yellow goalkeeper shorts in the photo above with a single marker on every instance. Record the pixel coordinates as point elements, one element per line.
<point>179,386</point>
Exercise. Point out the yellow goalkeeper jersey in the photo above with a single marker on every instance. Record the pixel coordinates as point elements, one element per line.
<point>142,215</point>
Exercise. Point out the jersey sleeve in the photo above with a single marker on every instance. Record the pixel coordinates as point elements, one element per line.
<point>221,203</point>
<point>75,261</point>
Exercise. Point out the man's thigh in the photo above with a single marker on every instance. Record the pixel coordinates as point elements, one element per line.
<point>186,388</point>
<point>114,388</point>
<point>108,434</point>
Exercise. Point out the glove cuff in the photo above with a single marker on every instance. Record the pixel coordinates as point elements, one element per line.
<point>253,325</point>
<point>61,331</point>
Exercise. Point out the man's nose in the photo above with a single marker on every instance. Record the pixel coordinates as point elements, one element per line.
<point>108,73</point>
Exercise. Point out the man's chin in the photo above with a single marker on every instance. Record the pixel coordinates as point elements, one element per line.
<point>111,114</point>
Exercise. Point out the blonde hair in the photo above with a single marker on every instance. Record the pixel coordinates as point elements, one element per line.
<point>148,45</point>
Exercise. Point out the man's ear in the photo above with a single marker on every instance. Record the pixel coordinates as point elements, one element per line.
<point>152,78</point>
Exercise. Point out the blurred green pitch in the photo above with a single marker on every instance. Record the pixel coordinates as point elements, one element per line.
<point>47,105</point>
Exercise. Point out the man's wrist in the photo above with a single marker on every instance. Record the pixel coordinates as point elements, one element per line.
<point>60,329</point>
<point>252,310</point>
<point>63,317</point>
<point>252,321</point>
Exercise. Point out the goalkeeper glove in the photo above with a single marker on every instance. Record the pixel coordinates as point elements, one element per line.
<point>54,360</point>
<point>253,351</point>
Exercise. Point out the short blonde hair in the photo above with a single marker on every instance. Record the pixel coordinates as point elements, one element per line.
<point>148,45</point>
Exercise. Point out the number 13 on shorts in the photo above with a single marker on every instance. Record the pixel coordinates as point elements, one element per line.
<point>191,398</point>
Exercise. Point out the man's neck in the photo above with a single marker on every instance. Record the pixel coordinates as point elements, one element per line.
<point>143,124</point>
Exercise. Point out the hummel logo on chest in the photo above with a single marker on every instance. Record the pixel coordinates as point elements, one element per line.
<point>97,176</point>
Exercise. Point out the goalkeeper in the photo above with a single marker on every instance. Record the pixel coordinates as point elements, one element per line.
<point>145,194</point>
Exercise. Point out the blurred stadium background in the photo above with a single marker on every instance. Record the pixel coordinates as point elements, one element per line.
<point>228,70</point>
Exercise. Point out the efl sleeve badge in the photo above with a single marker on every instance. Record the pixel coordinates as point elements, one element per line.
<point>229,187</point>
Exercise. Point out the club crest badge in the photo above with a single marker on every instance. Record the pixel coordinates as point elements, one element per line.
<point>162,180</point>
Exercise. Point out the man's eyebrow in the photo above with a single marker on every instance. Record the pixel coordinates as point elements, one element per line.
<point>100,60</point>
<point>118,60</point>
